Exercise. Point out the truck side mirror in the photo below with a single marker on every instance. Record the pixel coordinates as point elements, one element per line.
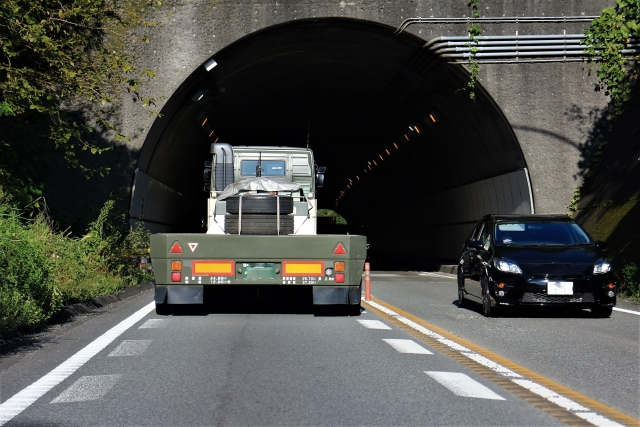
<point>320,176</point>
<point>206,176</point>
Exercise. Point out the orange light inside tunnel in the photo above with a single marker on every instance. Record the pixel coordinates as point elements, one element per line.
<point>395,145</point>
<point>358,177</point>
<point>381,158</point>
<point>216,140</point>
<point>374,162</point>
<point>416,128</point>
<point>369,166</point>
<point>387,150</point>
<point>204,121</point>
<point>365,170</point>
<point>433,119</point>
<point>406,137</point>
<point>212,131</point>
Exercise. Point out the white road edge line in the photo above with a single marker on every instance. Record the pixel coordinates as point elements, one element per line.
<point>23,399</point>
<point>452,276</point>
<point>637,313</point>
<point>551,396</point>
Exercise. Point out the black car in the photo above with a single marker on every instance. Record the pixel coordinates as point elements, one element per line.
<point>535,260</point>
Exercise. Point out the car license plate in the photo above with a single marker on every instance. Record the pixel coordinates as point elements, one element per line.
<point>559,288</point>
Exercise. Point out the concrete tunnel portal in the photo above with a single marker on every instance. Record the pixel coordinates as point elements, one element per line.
<point>412,161</point>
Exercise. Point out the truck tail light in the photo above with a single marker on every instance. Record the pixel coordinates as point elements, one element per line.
<point>339,266</point>
<point>176,265</point>
<point>339,277</point>
<point>176,276</point>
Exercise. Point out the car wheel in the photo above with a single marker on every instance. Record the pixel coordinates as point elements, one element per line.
<point>601,312</point>
<point>487,310</point>
<point>462,302</point>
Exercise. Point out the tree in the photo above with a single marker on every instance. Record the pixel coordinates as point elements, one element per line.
<point>63,68</point>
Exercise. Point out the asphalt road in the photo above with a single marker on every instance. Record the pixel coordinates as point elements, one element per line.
<point>252,363</point>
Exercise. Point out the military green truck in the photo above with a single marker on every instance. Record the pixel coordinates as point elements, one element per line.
<point>261,232</point>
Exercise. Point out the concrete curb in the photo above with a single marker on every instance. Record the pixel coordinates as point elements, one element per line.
<point>69,311</point>
<point>451,269</point>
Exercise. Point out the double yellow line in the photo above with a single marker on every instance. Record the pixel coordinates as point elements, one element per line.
<point>554,410</point>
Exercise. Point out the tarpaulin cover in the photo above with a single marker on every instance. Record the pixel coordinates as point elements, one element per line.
<point>259,183</point>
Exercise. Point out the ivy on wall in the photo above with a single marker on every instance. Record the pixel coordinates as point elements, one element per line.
<point>474,31</point>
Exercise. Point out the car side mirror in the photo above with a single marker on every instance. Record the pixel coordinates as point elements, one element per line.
<point>476,245</point>
<point>602,245</point>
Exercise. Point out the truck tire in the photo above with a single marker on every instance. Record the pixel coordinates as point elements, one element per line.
<point>259,204</point>
<point>259,224</point>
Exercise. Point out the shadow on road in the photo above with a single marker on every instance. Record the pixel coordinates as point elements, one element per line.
<point>259,300</point>
<point>533,312</point>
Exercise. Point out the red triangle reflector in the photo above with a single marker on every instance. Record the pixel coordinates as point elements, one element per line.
<point>340,250</point>
<point>175,248</point>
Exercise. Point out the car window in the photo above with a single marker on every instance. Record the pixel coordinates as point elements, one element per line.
<point>269,168</point>
<point>540,233</point>
<point>485,237</point>
<point>476,232</point>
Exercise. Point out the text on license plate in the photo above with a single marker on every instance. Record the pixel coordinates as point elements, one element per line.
<point>559,288</point>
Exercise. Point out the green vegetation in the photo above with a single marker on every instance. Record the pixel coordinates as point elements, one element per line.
<point>43,269</point>
<point>63,69</point>
<point>474,31</point>
<point>630,280</point>
<point>331,213</point>
<point>607,36</point>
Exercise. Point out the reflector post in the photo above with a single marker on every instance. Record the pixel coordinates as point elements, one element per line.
<point>175,248</point>
<point>176,276</point>
<point>213,268</point>
<point>340,249</point>
<point>339,277</point>
<point>339,266</point>
<point>176,265</point>
<point>303,268</point>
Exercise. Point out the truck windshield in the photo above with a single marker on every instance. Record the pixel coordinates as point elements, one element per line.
<point>522,233</point>
<point>269,167</point>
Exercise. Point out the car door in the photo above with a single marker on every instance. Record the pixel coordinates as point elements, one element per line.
<point>469,264</point>
<point>478,257</point>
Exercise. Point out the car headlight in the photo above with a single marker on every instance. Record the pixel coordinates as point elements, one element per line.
<point>507,266</point>
<point>601,266</point>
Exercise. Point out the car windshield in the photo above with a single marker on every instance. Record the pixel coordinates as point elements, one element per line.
<point>269,168</point>
<point>540,233</point>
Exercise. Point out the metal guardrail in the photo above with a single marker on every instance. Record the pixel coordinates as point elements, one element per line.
<point>494,20</point>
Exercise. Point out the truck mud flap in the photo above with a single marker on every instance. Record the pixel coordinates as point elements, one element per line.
<point>179,294</point>
<point>326,295</point>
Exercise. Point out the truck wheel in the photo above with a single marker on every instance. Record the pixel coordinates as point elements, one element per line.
<point>163,309</point>
<point>354,310</point>
<point>259,224</point>
<point>259,204</point>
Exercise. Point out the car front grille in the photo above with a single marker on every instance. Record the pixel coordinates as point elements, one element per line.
<point>542,297</point>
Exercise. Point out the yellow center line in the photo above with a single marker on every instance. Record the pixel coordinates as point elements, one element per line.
<point>580,398</point>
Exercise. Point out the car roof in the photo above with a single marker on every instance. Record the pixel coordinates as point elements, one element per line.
<point>553,217</point>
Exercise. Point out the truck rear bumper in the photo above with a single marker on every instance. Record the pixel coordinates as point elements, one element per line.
<point>322,295</point>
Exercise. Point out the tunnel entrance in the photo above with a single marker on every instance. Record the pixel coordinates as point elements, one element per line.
<point>412,161</point>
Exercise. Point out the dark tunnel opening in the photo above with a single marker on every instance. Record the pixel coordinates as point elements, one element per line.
<point>412,162</point>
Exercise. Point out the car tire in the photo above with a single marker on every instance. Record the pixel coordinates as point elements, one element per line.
<point>260,204</point>
<point>487,309</point>
<point>163,309</point>
<point>462,301</point>
<point>259,224</point>
<point>601,312</point>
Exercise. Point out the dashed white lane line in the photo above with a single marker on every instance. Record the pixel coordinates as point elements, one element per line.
<point>563,402</point>
<point>130,348</point>
<point>153,324</point>
<point>87,388</point>
<point>407,346</point>
<point>463,385</point>
<point>23,399</point>
<point>373,324</point>
<point>624,310</point>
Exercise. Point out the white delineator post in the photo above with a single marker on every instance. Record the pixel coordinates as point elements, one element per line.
<point>367,282</point>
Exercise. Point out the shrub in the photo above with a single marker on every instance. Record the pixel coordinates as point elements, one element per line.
<point>630,280</point>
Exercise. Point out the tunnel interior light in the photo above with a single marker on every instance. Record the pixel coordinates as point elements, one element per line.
<point>395,145</point>
<point>369,167</point>
<point>411,128</point>
<point>417,129</point>
<point>204,121</point>
<point>406,137</point>
<point>381,158</point>
<point>211,133</point>
<point>387,150</point>
<point>210,64</point>
<point>198,96</point>
<point>365,170</point>
<point>358,177</point>
<point>375,163</point>
<point>432,117</point>
<point>217,139</point>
